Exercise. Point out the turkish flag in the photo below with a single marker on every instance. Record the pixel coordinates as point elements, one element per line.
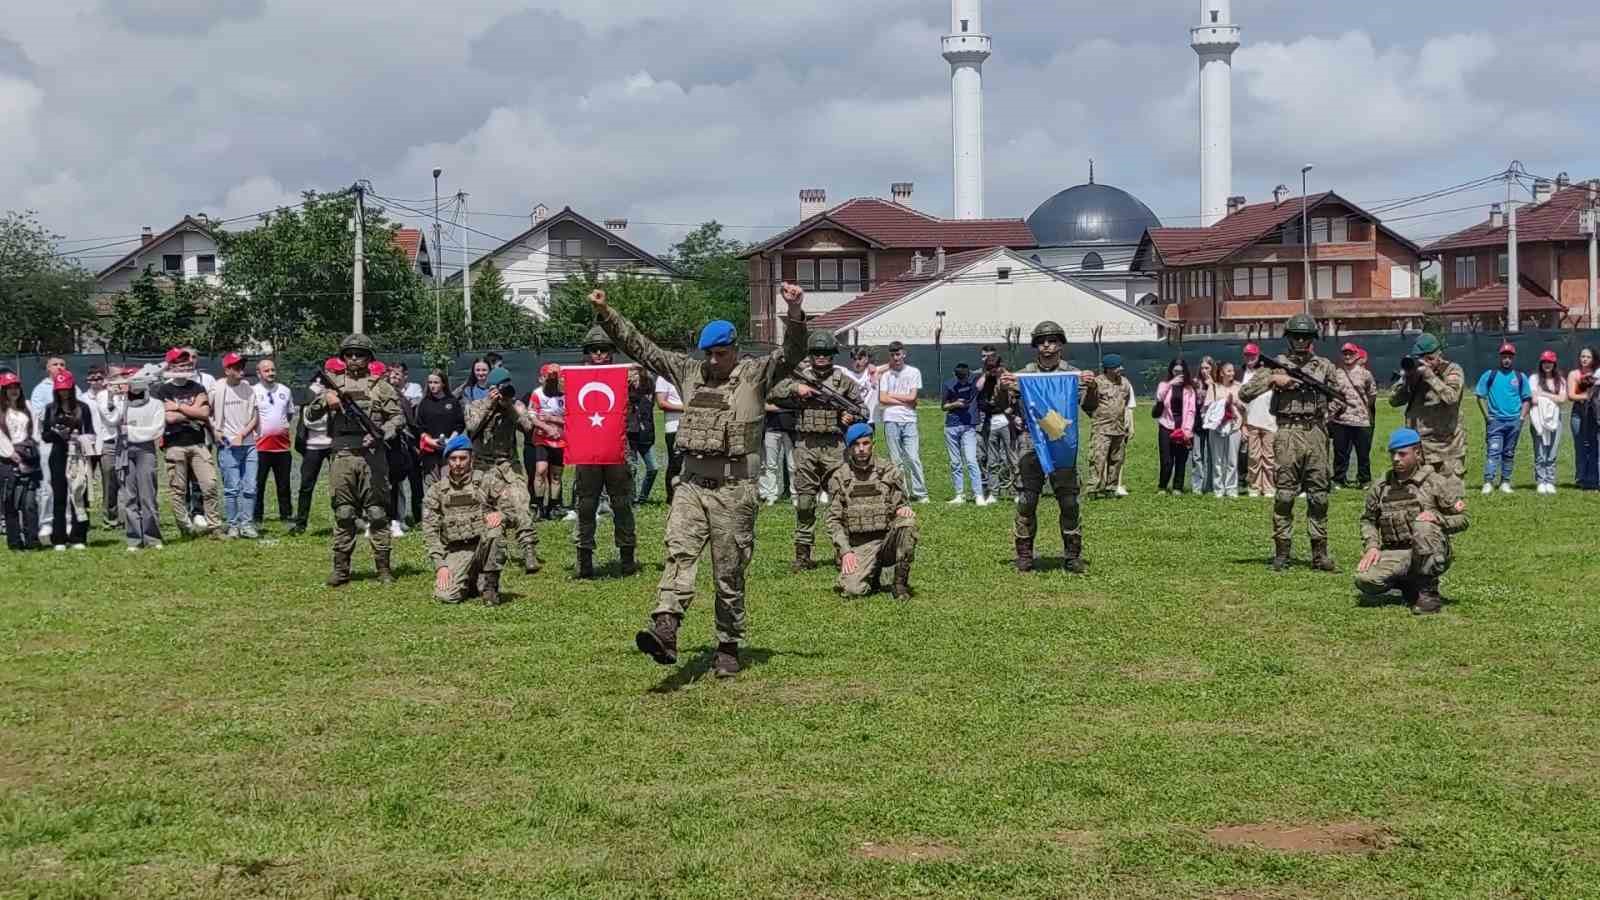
<point>597,414</point>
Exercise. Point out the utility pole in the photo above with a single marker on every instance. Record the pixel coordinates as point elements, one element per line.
<point>359,270</point>
<point>436,258</point>
<point>1305,240</point>
<point>466,267</point>
<point>1513,313</point>
<point>1594,253</point>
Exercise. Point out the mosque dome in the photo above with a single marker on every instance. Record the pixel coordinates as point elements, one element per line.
<point>1091,214</point>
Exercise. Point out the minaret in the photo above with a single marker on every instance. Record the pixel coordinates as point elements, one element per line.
<point>965,48</point>
<point>1214,40</point>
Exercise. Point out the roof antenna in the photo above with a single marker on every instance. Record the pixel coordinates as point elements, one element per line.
<point>1091,170</point>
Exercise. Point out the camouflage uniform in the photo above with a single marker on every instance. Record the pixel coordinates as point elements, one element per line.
<point>818,447</point>
<point>1412,554</point>
<point>1030,483</point>
<point>493,430</point>
<point>457,537</point>
<point>1432,403</point>
<point>863,507</point>
<point>720,436</point>
<point>1106,401</point>
<point>359,475</point>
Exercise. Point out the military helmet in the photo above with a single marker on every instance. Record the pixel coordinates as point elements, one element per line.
<point>1047,329</point>
<point>822,342</point>
<point>356,342</point>
<point>597,337</point>
<point>1301,324</point>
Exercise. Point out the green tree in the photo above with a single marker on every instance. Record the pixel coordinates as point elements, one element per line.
<point>1430,287</point>
<point>154,313</point>
<point>712,262</point>
<point>44,297</point>
<point>433,321</point>
<point>670,313</point>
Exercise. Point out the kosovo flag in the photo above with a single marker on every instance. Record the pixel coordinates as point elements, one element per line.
<point>1050,407</point>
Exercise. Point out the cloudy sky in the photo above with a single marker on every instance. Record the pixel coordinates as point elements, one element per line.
<point>121,113</point>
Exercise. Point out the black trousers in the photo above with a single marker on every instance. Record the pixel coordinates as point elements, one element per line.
<point>310,468</point>
<point>398,479</point>
<point>62,498</point>
<point>19,501</point>
<point>674,464</point>
<point>1174,457</point>
<point>277,463</point>
<point>1345,439</point>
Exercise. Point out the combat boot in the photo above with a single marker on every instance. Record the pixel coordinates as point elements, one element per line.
<point>802,559</point>
<point>491,588</point>
<point>1280,556</point>
<point>630,565</point>
<point>1428,600</point>
<point>726,662</point>
<point>1321,559</point>
<point>660,641</point>
<point>531,564</point>
<point>1024,555</point>
<point>384,575</point>
<point>1074,563</point>
<point>902,580</point>
<point>341,570</point>
<point>585,567</point>
<point>1409,594</point>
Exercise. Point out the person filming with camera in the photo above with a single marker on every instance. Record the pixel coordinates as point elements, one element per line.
<point>1429,388</point>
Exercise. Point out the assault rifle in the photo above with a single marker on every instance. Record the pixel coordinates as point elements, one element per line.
<point>830,397</point>
<point>1304,377</point>
<point>348,407</point>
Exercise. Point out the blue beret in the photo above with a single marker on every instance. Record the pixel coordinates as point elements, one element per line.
<point>459,442</point>
<point>499,376</point>
<point>720,333</point>
<point>856,432</point>
<point>1403,438</point>
<point>1112,361</point>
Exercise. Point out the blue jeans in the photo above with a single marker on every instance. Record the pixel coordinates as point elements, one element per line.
<point>1500,455</point>
<point>1544,455</point>
<point>905,451</point>
<point>1585,452</point>
<point>238,464</point>
<point>961,442</point>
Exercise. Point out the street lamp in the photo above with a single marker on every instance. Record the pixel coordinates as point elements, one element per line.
<point>436,257</point>
<point>1305,239</point>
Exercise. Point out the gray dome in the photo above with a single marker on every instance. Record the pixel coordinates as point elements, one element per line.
<point>1091,214</point>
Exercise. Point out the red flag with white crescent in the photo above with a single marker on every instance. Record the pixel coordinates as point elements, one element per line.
<point>597,414</point>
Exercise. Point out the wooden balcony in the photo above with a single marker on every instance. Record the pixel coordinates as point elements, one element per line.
<point>1283,254</point>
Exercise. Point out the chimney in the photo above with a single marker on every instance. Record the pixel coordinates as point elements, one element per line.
<point>1563,182</point>
<point>938,261</point>
<point>1497,216</point>
<point>618,227</point>
<point>539,214</point>
<point>901,192</point>
<point>916,263</point>
<point>146,236</point>
<point>813,201</point>
<point>1541,190</point>
<point>1277,194</point>
<point>1235,204</point>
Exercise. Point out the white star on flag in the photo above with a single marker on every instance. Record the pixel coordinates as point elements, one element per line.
<point>597,420</point>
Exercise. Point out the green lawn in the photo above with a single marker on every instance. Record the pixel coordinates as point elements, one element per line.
<point>212,722</point>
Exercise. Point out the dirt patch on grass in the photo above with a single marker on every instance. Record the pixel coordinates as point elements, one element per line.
<point>1077,840</point>
<point>906,851</point>
<point>814,691</point>
<point>1332,837</point>
<point>1161,671</point>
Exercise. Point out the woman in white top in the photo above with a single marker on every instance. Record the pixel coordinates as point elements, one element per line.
<point>1200,471</point>
<point>670,402</point>
<point>135,421</point>
<point>19,466</point>
<point>1224,416</point>
<point>1549,388</point>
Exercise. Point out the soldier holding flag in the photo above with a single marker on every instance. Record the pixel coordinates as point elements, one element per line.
<point>607,471</point>
<point>1051,426</point>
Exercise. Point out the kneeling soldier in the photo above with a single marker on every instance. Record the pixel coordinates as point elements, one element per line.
<point>462,516</point>
<point>1407,524</point>
<point>872,525</point>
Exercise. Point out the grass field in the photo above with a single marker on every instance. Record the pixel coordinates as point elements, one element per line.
<point>212,722</point>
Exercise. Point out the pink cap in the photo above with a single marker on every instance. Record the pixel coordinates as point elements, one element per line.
<point>1508,347</point>
<point>229,360</point>
<point>63,381</point>
<point>377,368</point>
<point>176,354</point>
<point>1252,350</point>
<point>1547,356</point>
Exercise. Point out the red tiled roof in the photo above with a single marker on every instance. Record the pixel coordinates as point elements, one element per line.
<point>1555,219</point>
<point>1235,232</point>
<point>896,226</point>
<point>409,240</point>
<point>1343,308</point>
<point>187,223</point>
<point>1492,298</point>
<point>892,290</point>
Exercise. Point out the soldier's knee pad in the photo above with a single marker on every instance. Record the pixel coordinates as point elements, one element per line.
<point>1368,583</point>
<point>346,515</point>
<point>1283,499</point>
<point>805,503</point>
<point>376,514</point>
<point>1027,501</point>
<point>1317,505</point>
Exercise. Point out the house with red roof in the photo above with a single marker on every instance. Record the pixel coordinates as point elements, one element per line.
<point>187,249</point>
<point>414,244</point>
<point>1553,276</point>
<point>841,252</point>
<point>1247,273</point>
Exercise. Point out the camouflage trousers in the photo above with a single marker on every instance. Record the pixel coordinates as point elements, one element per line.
<point>877,554</point>
<point>1030,483</point>
<point>1448,457</point>
<point>815,458</point>
<point>1418,566</point>
<point>1106,455</point>
<point>468,563</point>
<point>617,483</point>
<point>359,481</point>
<point>513,482</point>
<point>721,516</point>
<point>1300,464</point>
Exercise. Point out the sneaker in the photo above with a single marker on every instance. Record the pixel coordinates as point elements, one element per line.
<point>249,532</point>
<point>1254,492</point>
<point>924,499</point>
<point>958,501</point>
<point>200,522</point>
<point>397,528</point>
<point>1217,494</point>
<point>1122,491</point>
<point>156,545</point>
<point>231,533</point>
<point>1505,487</point>
<point>1549,489</point>
<point>571,516</point>
<point>133,548</point>
<point>60,548</point>
<point>822,497</point>
<point>1233,495</point>
<point>773,501</point>
<point>1487,488</point>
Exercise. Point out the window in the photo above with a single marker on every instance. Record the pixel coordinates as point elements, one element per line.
<point>206,264</point>
<point>827,274</point>
<point>1259,285</point>
<point>574,249</point>
<point>1344,279</point>
<point>1093,262</point>
<point>1319,231</point>
<point>567,249</point>
<point>964,24</point>
<point>805,273</point>
<point>1399,281</point>
<point>852,275</point>
<point>172,264</point>
<point>1324,283</point>
<point>1280,283</point>
<point>1339,230</point>
<point>1502,266</point>
<point>1003,274</point>
<point>1241,282</point>
<point>1466,272</point>
<point>1213,17</point>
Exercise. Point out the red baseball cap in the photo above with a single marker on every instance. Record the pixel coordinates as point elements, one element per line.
<point>1350,348</point>
<point>1548,356</point>
<point>1252,350</point>
<point>548,369</point>
<point>334,365</point>
<point>377,368</point>
<point>176,354</point>
<point>229,360</point>
<point>7,379</point>
<point>63,381</point>
<point>1508,347</point>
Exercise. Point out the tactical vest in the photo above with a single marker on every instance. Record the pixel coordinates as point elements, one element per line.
<point>463,514</point>
<point>818,420</point>
<point>1399,507</point>
<point>355,391</point>
<point>710,428</point>
<point>866,506</point>
<point>1300,402</point>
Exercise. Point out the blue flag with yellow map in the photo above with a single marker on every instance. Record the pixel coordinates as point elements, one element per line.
<point>1050,407</point>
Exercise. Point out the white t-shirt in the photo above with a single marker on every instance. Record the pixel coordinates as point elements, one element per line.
<point>670,419</point>
<point>1258,412</point>
<point>906,381</point>
<point>276,407</point>
<point>863,382</point>
<point>412,392</point>
<point>232,406</point>
<point>549,406</point>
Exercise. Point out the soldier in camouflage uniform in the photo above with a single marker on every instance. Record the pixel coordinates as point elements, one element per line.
<point>1049,344</point>
<point>615,480</point>
<point>1431,391</point>
<point>462,519</point>
<point>819,441</point>
<point>715,503</point>
<point>493,423</point>
<point>359,473</point>
<point>1105,399</point>
<point>1300,448</point>
<point>870,519</point>
<point>1406,527</point>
